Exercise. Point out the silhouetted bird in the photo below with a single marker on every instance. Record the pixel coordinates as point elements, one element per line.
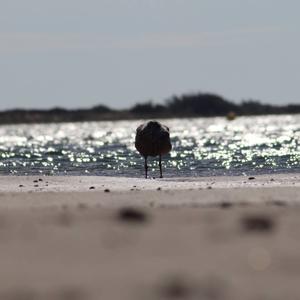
<point>152,139</point>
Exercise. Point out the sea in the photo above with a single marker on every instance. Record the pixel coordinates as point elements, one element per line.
<point>201,147</point>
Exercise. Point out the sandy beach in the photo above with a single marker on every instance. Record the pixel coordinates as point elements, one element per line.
<point>130,238</point>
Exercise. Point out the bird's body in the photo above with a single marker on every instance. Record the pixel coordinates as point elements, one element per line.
<point>153,139</point>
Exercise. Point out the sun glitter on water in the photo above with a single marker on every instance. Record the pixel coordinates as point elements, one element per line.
<point>201,147</point>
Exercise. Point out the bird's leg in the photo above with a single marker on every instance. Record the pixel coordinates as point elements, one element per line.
<point>146,167</point>
<point>160,169</point>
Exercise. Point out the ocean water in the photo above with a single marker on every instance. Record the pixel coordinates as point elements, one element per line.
<point>201,147</point>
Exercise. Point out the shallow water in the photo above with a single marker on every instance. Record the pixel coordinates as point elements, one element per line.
<point>201,147</point>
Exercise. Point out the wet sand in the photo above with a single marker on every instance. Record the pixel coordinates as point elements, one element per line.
<point>127,238</point>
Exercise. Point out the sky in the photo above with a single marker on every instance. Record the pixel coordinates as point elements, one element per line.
<point>75,53</point>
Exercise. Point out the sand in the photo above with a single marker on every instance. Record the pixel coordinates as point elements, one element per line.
<point>130,238</point>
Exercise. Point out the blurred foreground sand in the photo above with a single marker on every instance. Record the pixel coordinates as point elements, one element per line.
<point>205,238</point>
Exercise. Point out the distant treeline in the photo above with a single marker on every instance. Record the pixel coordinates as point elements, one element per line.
<point>191,105</point>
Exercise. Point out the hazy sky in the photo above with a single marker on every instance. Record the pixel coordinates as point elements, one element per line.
<point>76,53</point>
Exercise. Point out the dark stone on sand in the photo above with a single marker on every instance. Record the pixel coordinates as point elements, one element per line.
<point>65,219</point>
<point>251,178</point>
<point>92,187</point>
<point>64,207</point>
<point>40,179</point>
<point>159,188</point>
<point>180,287</point>
<point>106,190</point>
<point>226,204</point>
<point>175,288</point>
<point>258,223</point>
<point>21,185</point>
<point>35,181</point>
<point>277,203</point>
<point>209,187</point>
<point>132,215</point>
<point>82,206</point>
<point>36,185</point>
<point>272,179</point>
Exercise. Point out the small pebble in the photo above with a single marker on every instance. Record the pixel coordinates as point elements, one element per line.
<point>132,215</point>
<point>272,179</point>
<point>21,185</point>
<point>65,218</point>
<point>277,203</point>
<point>258,223</point>
<point>106,190</point>
<point>64,207</point>
<point>35,181</point>
<point>82,206</point>
<point>251,178</point>
<point>209,187</point>
<point>92,187</point>
<point>40,179</point>
<point>176,288</point>
<point>36,185</point>
<point>159,188</point>
<point>226,204</point>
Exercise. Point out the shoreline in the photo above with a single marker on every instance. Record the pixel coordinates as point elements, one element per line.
<point>24,192</point>
<point>215,198</point>
<point>42,183</point>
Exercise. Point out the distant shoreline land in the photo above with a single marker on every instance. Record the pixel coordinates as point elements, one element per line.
<point>187,105</point>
